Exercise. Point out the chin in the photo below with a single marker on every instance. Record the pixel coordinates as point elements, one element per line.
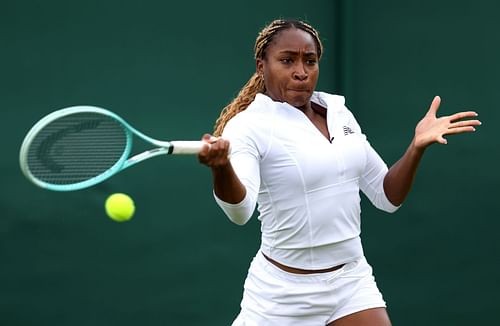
<point>299,101</point>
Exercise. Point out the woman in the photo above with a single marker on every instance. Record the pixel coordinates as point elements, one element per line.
<point>301,156</point>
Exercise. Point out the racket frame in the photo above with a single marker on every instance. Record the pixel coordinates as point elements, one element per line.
<point>163,148</point>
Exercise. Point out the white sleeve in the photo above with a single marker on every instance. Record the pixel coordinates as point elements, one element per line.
<point>372,180</point>
<point>245,162</point>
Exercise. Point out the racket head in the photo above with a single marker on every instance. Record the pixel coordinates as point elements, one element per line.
<point>75,148</point>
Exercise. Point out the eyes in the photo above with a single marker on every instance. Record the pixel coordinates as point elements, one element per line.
<point>290,61</point>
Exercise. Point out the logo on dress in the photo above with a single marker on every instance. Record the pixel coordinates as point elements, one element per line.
<point>347,131</point>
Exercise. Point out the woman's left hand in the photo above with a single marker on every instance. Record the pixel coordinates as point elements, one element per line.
<point>432,129</point>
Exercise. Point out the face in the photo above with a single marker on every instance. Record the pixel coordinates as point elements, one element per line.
<point>290,67</point>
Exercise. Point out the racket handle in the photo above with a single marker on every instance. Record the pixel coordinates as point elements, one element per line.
<point>187,146</point>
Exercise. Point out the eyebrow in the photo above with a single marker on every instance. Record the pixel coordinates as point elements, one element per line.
<point>292,52</point>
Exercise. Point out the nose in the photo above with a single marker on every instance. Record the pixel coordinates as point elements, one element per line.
<point>300,72</point>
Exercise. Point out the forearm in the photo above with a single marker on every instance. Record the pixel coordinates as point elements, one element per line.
<point>227,185</point>
<point>399,178</point>
<point>235,193</point>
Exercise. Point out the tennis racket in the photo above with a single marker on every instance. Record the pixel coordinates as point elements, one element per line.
<point>80,146</point>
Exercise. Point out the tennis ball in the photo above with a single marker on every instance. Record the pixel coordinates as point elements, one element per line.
<point>119,207</point>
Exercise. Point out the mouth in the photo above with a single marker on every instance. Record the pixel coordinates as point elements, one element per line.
<point>300,90</point>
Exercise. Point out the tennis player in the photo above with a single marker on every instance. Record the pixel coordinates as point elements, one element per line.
<point>300,156</point>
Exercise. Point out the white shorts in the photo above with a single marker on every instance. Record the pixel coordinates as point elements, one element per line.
<point>274,297</point>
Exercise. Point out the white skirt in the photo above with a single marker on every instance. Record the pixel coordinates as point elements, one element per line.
<point>274,297</point>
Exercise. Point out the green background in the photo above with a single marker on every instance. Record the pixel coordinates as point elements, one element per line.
<point>168,70</point>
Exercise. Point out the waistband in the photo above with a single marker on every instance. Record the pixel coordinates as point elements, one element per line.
<point>302,271</point>
<point>316,258</point>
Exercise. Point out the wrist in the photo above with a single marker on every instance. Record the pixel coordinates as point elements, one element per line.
<point>415,149</point>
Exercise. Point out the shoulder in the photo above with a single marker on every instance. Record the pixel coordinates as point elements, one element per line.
<point>335,104</point>
<point>252,129</point>
<point>338,113</point>
<point>330,101</point>
<point>254,124</point>
<point>257,113</point>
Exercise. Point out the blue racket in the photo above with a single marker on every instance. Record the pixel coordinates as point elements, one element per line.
<point>80,146</point>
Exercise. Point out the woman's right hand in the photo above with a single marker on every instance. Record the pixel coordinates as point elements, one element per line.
<point>216,153</point>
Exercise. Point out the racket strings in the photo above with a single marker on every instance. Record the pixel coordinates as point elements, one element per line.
<point>76,147</point>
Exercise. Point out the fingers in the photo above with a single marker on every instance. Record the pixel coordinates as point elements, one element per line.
<point>462,126</point>
<point>463,115</point>
<point>442,140</point>
<point>460,130</point>
<point>206,137</point>
<point>219,146</point>
<point>458,125</point>
<point>436,102</point>
<point>465,123</point>
<point>209,139</point>
<point>216,153</point>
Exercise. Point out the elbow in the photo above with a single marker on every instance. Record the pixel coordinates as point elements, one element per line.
<point>383,203</point>
<point>391,209</point>
<point>240,222</point>
<point>239,213</point>
<point>240,219</point>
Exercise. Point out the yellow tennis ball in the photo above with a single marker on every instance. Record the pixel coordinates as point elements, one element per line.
<point>120,207</point>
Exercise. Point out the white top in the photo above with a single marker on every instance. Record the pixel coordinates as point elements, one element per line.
<point>306,187</point>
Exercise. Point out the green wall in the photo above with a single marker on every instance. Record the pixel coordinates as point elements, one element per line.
<point>168,69</point>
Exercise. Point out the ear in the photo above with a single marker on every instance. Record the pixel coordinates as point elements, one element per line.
<point>259,66</point>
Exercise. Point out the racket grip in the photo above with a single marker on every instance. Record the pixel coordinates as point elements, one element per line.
<point>187,146</point>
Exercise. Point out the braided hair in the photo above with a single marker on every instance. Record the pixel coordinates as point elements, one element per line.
<point>256,83</point>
